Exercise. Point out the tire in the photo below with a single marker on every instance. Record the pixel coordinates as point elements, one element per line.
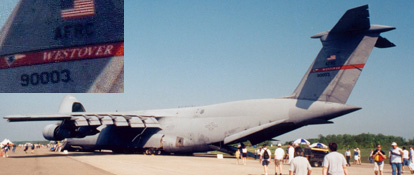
<point>315,164</point>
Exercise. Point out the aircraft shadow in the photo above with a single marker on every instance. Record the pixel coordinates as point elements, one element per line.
<point>52,154</point>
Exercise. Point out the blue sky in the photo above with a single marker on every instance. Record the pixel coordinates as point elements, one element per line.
<point>192,53</point>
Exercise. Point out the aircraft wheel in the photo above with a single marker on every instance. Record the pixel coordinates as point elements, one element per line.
<point>148,152</point>
<point>315,164</point>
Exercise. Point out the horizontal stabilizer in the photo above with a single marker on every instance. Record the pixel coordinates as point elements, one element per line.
<point>245,133</point>
<point>355,19</point>
<point>383,43</point>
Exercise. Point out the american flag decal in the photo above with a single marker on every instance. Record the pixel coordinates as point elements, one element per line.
<point>331,58</point>
<point>80,8</point>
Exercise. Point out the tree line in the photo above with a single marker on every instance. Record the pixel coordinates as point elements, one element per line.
<point>364,140</point>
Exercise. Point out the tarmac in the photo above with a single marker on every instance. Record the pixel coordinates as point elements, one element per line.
<point>45,162</point>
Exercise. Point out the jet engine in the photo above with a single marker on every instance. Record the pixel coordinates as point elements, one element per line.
<point>53,132</point>
<point>67,130</point>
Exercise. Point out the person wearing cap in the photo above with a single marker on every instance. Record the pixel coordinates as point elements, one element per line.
<point>279,154</point>
<point>378,156</point>
<point>396,155</point>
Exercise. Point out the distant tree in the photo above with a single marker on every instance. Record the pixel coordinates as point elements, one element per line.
<point>364,140</point>
<point>267,142</point>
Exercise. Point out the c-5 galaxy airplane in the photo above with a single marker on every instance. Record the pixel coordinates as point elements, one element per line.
<point>63,46</point>
<point>320,97</point>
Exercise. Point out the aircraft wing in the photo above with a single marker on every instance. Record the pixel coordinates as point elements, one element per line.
<point>93,119</point>
<point>245,133</point>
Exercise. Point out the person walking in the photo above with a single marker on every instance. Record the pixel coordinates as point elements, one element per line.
<point>279,154</point>
<point>33,148</point>
<point>356,156</point>
<point>237,154</point>
<point>286,158</point>
<point>334,163</point>
<point>348,157</point>
<point>256,153</point>
<point>265,156</point>
<point>244,152</point>
<point>291,152</point>
<point>411,155</point>
<point>240,147</point>
<point>299,165</point>
<point>371,160</point>
<point>26,147</point>
<point>406,159</point>
<point>378,156</point>
<point>6,149</point>
<point>395,155</point>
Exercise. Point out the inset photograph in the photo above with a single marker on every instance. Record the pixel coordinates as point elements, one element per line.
<point>62,46</point>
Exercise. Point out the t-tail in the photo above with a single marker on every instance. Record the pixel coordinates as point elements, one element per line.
<point>63,46</point>
<point>346,48</point>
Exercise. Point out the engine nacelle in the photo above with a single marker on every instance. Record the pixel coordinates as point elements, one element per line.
<point>54,132</point>
<point>60,132</point>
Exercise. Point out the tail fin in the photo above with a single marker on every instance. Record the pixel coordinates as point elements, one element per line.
<point>346,48</point>
<point>70,104</point>
<point>63,46</point>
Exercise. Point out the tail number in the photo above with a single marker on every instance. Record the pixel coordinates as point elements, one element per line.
<point>53,77</point>
<point>324,75</point>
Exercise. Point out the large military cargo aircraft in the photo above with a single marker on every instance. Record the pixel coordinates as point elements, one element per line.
<point>319,98</point>
<point>63,46</point>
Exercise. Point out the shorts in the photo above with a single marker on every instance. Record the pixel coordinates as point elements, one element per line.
<point>278,161</point>
<point>265,162</point>
<point>378,167</point>
<point>411,166</point>
<point>356,157</point>
<point>244,154</point>
<point>406,162</point>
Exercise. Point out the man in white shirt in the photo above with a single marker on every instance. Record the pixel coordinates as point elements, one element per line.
<point>300,165</point>
<point>291,152</point>
<point>334,163</point>
<point>279,154</point>
<point>348,156</point>
<point>265,157</point>
<point>395,155</point>
<point>406,159</point>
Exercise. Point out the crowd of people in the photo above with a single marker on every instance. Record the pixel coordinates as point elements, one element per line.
<point>334,163</point>
<point>27,148</point>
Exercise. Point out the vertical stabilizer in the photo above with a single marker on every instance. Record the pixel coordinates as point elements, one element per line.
<point>63,46</point>
<point>346,48</point>
<point>70,104</point>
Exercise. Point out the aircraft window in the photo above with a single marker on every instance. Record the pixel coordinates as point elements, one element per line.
<point>77,107</point>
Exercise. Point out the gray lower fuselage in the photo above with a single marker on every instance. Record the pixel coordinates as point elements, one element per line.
<point>197,128</point>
